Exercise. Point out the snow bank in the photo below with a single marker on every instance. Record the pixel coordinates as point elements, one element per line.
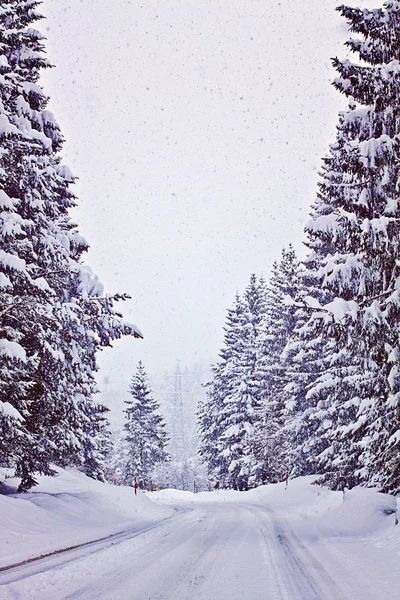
<point>362,512</point>
<point>315,513</point>
<point>299,497</point>
<point>67,510</point>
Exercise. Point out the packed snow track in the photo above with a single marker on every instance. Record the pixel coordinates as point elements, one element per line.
<point>210,551</point>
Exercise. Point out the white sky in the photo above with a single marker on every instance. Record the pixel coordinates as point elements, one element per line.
<point>196,128</point>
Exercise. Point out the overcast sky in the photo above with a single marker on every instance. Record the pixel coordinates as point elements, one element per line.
<point>196,128</point>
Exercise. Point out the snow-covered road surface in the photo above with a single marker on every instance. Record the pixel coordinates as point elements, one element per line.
<point>210,551</point>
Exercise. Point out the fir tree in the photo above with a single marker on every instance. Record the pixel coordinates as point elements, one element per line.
<point>271,442</point>
<point>306,359</point>
<point>354,248</point>
<point>211,410</point>
<point>234,394</point>
<point>53,313</point>
<point>144,432</point>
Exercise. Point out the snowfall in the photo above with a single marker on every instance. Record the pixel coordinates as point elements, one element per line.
<point>72,537</point>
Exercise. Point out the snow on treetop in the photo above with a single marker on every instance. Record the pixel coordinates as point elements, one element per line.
<point>29,86</point>
<point>6,127</point>
<point>63,170</point>
<point>89,283</point>
<point>288,300</point>
<point>340,308</point>
<point>134,329</point>
<point>12,350</point>
<point>372,149</point>
<point>5,200</point>
<point>9,411</point>
<point>4,281</point>
<point>326,223</point>
<point>312,302</point>
<point>25,127</point>
<point>375,311</point>
<point>9,261</point>
<point>41,284</point>
<point>11,224</point>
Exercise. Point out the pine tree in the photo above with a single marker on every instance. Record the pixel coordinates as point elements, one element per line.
<point>144,432</point>
<point>271,443</point>
<point>117,457</point>
<point>306,358</point>
<point>211,410</point>
<point>228,418</point>
<point>53,313</point>
<point>25,301</point>
<point>354,248</point>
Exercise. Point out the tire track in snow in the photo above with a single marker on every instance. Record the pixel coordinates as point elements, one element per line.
<point>298,573</point>
<point>74,553</point>
<point>148,562</point>
<point>195,571</point>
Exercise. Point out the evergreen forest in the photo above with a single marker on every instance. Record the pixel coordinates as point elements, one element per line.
<point>308,378</point>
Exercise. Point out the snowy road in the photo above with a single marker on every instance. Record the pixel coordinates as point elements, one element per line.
<point>210,551</point>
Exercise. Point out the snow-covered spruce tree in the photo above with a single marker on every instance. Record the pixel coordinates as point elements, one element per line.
<point>271,440</point>
<point>230,413</point>
<point>210,411</point>
<point>23,297</point>
<point>144,432</point>
<point>354,241</point>
<point>116,459</point>
<point>242,406</point>
<point>305,359</point>
<point>53,313</point>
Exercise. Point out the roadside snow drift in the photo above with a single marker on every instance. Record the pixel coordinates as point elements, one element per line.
<point>67,510</point>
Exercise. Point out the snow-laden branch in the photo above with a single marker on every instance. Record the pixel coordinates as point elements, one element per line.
<point>338,308</point>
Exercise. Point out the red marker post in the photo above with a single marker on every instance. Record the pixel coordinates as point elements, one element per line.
<point>135,485</point>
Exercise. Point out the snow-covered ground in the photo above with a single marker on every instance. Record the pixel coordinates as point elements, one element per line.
<point>272,543</point>
<point>65,511</point>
